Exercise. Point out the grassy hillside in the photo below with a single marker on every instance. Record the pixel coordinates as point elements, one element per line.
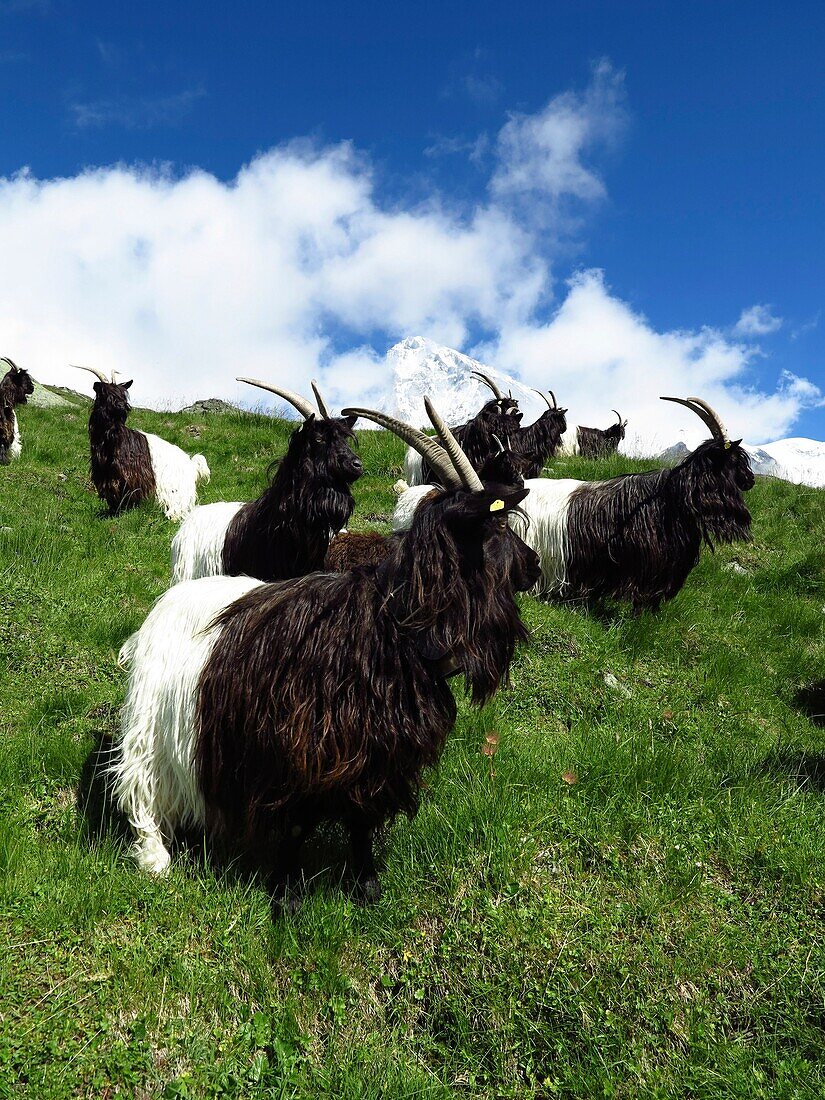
<point>626,900</point>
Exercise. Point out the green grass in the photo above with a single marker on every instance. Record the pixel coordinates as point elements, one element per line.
<point>649,926</point>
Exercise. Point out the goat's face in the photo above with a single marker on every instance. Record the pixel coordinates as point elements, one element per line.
<point>327,445</point>
<point>485,541</point>
<point>507,467</point>
<point>112,400</point>
<point>20,383</point>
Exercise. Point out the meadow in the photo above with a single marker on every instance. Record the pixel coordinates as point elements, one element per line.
<point>614,886</point>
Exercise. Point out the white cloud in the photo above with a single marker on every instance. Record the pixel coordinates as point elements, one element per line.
<point>135,112</point>
<point>757,321</point>
<point>297,269</point>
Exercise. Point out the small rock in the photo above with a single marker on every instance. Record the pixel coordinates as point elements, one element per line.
<point>614,685</point>
<point>735,567</point>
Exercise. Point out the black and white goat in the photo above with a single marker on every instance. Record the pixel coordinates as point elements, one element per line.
<point>635,537</point>
<point>499,417</point>
<point>15,387</point>
<point>599,442</point>
<point>257,710</point>
<point>129,466</point>
<point>286,531</point>
<point>541,440</point>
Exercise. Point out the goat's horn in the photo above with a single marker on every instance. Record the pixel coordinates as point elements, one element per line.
<point>463,466</point>
<point>98,374</point>
<point>488,382</point>
<point>319,401</point>
<point>501,447</point>
<point>429,448</point>
<point>705,414</point>
<point>11,363</point>
<point>618,415</point>
<point>544,398</point>
<point>303,406</point>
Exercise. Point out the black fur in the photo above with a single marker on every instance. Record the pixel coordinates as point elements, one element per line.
<point>326,697</point>
<point>121,465</point>
<point>637,537</point>
<point>286,532</point>
<point>15,387</point>
<point>540,441</point>
<point>598,442</point>
<point>500,417</point>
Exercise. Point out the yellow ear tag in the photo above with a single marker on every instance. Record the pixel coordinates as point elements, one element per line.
<point>728,444</point>
<point>497,505</point>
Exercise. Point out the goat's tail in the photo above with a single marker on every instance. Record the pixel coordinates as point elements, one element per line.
<point>202,472</point>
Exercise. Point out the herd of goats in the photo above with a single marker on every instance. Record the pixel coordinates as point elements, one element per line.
<point>296,673</point>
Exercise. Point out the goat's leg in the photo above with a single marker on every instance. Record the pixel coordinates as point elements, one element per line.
<point>283,880</point>
<point>362,833</point>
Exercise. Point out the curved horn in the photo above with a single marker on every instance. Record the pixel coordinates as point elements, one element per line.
<point>429,448</point>
<point>319,401</point>
<point>544,397</point>
<point>705,413</point>
<point>303,406</point>
<point>98,374</point>
<point>462,464</point>
<point>11,363</point>
<point>488,382</point>
<point>618,415</point>
<point>501,447</point>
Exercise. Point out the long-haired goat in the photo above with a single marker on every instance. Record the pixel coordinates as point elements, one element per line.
<point>499,417</point>
<point>635,537</point>
<point>349,549</point>
<point>286,531</point>
<point>15,387</point>
<point>257,710</point>
<point>598,442</point>
<point>129,466</point>
<point>541,440</point>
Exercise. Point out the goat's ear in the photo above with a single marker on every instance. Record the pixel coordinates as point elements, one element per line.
<point>349,421</point>
<point>477,507</point>
<point>96,386</point>
<point>126,385</point>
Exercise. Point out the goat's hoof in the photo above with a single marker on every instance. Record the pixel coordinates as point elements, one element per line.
<point>368,891</point>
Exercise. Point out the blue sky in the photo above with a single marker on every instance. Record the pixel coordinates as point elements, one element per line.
<point>703,149</point>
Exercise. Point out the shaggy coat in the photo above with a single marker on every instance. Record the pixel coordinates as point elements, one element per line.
<point>257,710</point>
<point>129,466</point>
<point>285,532</point>
<point>15,387</point>
<point>598,442</point>
<point>500,417</point>
<point>349,549</point>
<point>635,537</point>
<point>540,441</point>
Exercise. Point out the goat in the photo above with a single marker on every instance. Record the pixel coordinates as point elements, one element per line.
<point>286,531</point>
<point>634,537</point>
<point>129,466</point>
<point>500,416</point>
<point>256,710</point>
<point>15,388</point>
<point>349,549</point>
<point>541,440</point>
<point>599,442</point>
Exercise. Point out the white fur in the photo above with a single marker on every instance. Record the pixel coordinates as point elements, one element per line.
<point>545,529</point>
<point>176,476</point>
<point>197,548</point>
<point>153,758</point>
<point>413,467</point>
<point>16,443</point>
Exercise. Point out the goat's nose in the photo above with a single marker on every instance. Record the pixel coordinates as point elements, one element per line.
<point>357,464</point>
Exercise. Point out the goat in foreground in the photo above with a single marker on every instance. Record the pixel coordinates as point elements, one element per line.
<point>634,537</point>
<point>129,466</point>
<point>286,531</point>
<point>257,710</point>
<point>15,388</point>
<point>499,417</point>
<point>599,442</point>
